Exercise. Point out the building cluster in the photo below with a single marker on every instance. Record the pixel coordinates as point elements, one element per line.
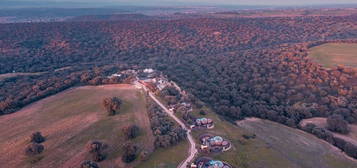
<point>156,81</point>
<point>203,123</point>
<point>152,79</point>
<point>205,162</point>
<point>210,143</point>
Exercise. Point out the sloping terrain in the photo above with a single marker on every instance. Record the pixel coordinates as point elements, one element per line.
<point>301,149</point>
<point>69,120</point>
<point>322,123</point>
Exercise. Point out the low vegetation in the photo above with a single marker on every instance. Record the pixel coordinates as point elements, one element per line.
<point>34,149</point>
<point>37,137</point>
<point>337,123</point>
<point>130,152</point>
<point>96,151</point>
<point>334,54</point>
<point>167,133</point>
<point>89,164</point>
<point>112,105</point>
<point>131,132</point>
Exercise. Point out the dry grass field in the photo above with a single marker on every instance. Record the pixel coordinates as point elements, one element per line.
<point>332,54</point>
<point>69,120</point>
<point>300,149</point>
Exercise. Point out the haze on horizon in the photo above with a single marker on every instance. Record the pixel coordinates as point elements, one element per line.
<point>203,2</point>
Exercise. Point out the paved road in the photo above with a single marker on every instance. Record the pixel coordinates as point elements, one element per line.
<point>193,151</point>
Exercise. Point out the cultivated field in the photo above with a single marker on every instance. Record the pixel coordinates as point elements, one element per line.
<point>332,54</point>
<point>69,120</point>
<point>297,148</point>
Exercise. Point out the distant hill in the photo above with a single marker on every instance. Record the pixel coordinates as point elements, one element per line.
<point>113,17</point>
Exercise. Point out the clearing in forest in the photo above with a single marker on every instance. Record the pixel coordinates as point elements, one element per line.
<point>332,54</point>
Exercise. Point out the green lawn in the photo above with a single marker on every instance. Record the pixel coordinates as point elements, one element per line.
<point>332,54</point>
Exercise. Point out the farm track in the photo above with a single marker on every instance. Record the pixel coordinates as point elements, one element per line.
<point>192,151</point>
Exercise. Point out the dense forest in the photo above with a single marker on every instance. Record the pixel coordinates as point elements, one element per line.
<point>239,66</point>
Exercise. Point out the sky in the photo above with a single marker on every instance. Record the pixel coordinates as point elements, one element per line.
<point>211,2</point>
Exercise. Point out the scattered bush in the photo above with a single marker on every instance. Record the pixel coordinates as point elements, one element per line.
<point>144,155</point>
<point>37,137</point>
<point>309,127</point>
<point>130,152</point>
<point>131,131</point>
<point>166,131</point>
<point>202,112</point>
<point>34,149</point>
<point>249,136</point>
<point>89,164</point>
<point>112,104</point>
<point>95,150</point>
<point>336,123</point>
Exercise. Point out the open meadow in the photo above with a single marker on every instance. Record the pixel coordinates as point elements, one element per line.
<point>332,54</point>
<point>71,119</point>
<point>295,145</point>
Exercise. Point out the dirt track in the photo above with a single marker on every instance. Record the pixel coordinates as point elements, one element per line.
<point>192,151</point>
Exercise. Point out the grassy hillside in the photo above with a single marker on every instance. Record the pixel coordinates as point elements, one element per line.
<point>276,146</point>
<point>69,120</point>
<point>332,54</point>
<point>298,148</point>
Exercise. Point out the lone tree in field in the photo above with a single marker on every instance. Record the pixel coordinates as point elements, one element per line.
<point>95,150</point>
<point>89,164</point>
<point>130,152</point>
<point>336,123</point>
<point>131,131</point>
<point>34,149</point>
<point>37,137</point>
<point>112,104</point>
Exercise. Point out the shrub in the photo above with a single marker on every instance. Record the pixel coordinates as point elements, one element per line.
<point>112,104</point>
<point>350,149</point>
<point>37,137</point>
<point>34,149</point>
<point>95,150</point>
<point>130,152</point>
<point>89,164</point>
<point>309,127</point>
<point>131,131</point>
<point>336,123</point>
<point>202,112</point>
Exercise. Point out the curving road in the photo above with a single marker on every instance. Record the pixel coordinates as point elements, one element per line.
<point>192,151</point>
